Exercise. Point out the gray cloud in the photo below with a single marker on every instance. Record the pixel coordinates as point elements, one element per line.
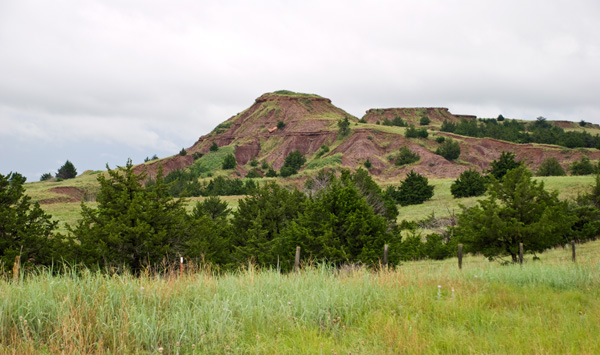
<point>144,77</point>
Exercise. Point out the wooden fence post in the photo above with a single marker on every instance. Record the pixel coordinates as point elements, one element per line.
<point>181,266</point>
<point>573,250</point>
<point>521,253</point>
<point>385,254</point>
<point>460,255</point>
<point>297,262</point>
<point>16,268</point>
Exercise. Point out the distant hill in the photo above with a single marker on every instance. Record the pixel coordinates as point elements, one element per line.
<point>308,122</point>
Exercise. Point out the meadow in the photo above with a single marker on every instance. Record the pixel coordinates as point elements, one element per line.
<point>545,306</point>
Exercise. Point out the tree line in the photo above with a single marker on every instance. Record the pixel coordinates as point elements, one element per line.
<point>336,218</point>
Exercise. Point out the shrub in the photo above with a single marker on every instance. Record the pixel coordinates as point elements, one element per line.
<point>324,149</point>
<point>254,162</point>
<point>214,147</point>
<point>500,118</point>
<point>582,123</point>
<point>254,173</point>
<point>440,139</point>
<point>197,155</point>
<point>551,167</point>
<point>469,183</point>
<point>182,152</point>
<point>406,156</point>
<point>506,162</point>
<point>368,164</point>
<point>414,190</point>
<point>424,121</point>
<point>46,177</point>
<point>398,121</point>
<point>344,127</point>
<point>271,173</point>
<point>264,165</point>
<point>229,162</point>
<point>67,171</point>
<point>448,126</point>
<point>582,167</point>
<point>449,149</point>
<point>280,124</point>
<point>412,132</point>
<point>293,162</point>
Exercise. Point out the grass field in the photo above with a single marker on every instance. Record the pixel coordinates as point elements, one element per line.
<point>542,307</point>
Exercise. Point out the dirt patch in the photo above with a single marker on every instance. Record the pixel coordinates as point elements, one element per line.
<point>412,115</point>
<point>168,164</point>
<point>66,194</point>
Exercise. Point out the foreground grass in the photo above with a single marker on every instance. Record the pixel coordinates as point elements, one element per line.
<point>548,306</point>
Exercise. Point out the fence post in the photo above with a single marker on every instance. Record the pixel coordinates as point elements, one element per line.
<point>460,255</point>
<point>297,262</point>
<point>573,250</point>
<point>181,266</point>
<point>16,268</point>
<point>385,254</point>
<point>521,253</point>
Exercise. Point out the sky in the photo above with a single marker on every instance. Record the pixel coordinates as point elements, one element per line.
<point>98,82</point>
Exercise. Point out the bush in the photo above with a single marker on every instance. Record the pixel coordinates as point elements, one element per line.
<point>500,118</point>
<point>406,156</point>
<point>470,183</point>
<point>506,162</point>
<point>214,147</point>
<point>229,162</point>
<point>271,173</point>
<point>550,167</point>
<point>448,126</point>
<point>293,162</point>
<point>197,155</point>
<point>440,139</point>
<point>582,123</point>
<point>254,162</point>
<point>264,165</point>
<point>449,149</point>
<point>398,121</point>
<point>253,174</point>
<point>45,177</point>
<point>424,121</point>
<point>368,164</point>
<point>582,167</point>
<point>182,152</point>
<point>67,171</point>
<point>412,132</point>
<point>344,127</point>
<point>324,149</point>
<point>280,124</point>
<point>414,190</point>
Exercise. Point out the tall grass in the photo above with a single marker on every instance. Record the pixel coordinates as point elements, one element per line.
<point>548,306</point>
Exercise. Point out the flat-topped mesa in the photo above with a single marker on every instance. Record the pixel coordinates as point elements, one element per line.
<point>412,115</point>
<point>283,95</point>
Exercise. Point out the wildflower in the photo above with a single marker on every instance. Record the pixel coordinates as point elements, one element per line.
<point>20,317</point>
<point>193,346</point>
<point>475,276</point>
<point>289,303</point>
<point>160,349</point>
<point>177,344</point>
<point>142,288</point>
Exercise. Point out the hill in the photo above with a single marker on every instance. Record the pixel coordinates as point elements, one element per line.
<point>283,121</point>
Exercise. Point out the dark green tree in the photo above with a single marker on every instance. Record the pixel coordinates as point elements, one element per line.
<point>517,210</point>
<point>46,177</point>
<point>506,162</point>
<point>398,121</point>
<point>208,233</point>
<point>500,118</point>
<point>253,162</point>
<point>67,171</point>
<point>338,225</point>
<point>449,149</point>
<point>424,121</point>
<point>229,162</point>
<point>343,127</point>
<point>259,221</point>
<point>582,167</point>
<point>550,167</point>
<point>132,226</point>
<point>293,162</point>
<point>469,183</point>
<point>448,126</point>
<point>25,229</point>
<point>406,156</point>
<point>214,147</point>
<point>280,124</point>
<point>183,152</point>
<point>412,132</point>
<point>413,190</point>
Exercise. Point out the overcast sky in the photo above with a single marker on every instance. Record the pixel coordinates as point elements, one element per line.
<point>97,82</point>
